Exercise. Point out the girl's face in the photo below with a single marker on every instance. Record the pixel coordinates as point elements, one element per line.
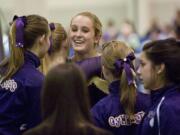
<point>82,34</point>
<point>147,72</point>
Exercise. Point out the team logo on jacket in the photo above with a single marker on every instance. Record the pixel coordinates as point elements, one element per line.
<point>124,120</point>
<point>151,116</point>
<point>10,85</point>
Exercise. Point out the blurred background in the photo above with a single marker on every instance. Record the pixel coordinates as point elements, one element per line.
<point>134,21</point>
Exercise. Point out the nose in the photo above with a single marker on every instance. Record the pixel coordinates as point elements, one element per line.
<point>78,33</point>
<point>138,70</point>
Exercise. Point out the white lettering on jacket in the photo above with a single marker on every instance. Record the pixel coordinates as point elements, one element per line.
<point>10,85</point>
<point>124,120</point>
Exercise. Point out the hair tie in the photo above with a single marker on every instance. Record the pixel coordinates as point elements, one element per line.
<point>127,65</point>
<point>20,25</point>
<point>52,28</point>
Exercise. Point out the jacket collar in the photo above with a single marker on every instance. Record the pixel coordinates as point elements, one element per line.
<point>32,59</point>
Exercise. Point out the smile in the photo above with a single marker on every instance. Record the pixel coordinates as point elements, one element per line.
<point>78,41</point>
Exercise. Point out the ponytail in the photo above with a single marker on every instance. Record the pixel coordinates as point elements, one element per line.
<point>23,35</point>
<point>128,94</point>
<point>125,69</point>
<point>118,58</point>
<point>16,59</point>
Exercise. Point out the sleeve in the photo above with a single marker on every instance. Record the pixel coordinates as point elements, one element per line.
<point>91,67</point>
<point>170,120</point>
<point>33,108</point>
<point>98,113</point>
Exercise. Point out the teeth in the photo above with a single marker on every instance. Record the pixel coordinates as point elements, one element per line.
<point>78,41</point>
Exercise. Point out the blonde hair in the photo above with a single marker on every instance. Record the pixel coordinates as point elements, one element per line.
<point>35,26</point>
<point>96,23</point>
<point>113,51</point>
<point>58,35</point>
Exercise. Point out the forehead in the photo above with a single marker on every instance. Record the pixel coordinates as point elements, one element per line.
<point>143,56</point>
<point>82,21</point>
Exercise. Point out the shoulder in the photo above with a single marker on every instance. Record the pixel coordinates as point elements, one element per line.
<point>14,90</point>
<point>143,96</point>
<point>143,100</point>
<point>93,130</point>
<point>11,85</point>
<point>29,77</point>
<point>172,99</point>
<point>169,114</point>
<point>39,130</point>
<point>106,102</point>
<point>172,103</point>
<point>100,108</point>
<point>170,108</point>
<point>20,86</point>
<point>106,106</point>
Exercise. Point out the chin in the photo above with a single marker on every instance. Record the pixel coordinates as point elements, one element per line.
<point>79,49</point>
<point>147,87</point>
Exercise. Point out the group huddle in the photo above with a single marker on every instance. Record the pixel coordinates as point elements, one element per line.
<point>43,91</point>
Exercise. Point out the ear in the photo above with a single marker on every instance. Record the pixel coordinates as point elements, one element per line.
<point>160,68</point>
<point>42,39</point>
<point>97,38</point>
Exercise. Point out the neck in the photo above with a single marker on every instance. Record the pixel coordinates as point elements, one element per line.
<point>83,56</point>
<point>57,59</point>
<point>34,51</point>
<point>161,84</point>
<point>52,61</point>
<point>58,55</point>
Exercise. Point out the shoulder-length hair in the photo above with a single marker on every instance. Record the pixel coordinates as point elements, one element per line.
<point>65,103</point>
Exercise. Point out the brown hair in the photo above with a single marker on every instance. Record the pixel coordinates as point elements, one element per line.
<point>113,51</point>
<point>96,22</point>
<point>65,101</point>
<point>35,26</point>
<point>168,52</point>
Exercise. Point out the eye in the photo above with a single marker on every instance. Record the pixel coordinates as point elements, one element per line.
<point>73,28</point>
<point>142,64</point>
<point>85,30</point>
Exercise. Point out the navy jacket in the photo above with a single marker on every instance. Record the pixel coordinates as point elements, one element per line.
<point>20,98</point>
<point>163,117</point>
<point>109,114</point>
<point>47,128</point>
